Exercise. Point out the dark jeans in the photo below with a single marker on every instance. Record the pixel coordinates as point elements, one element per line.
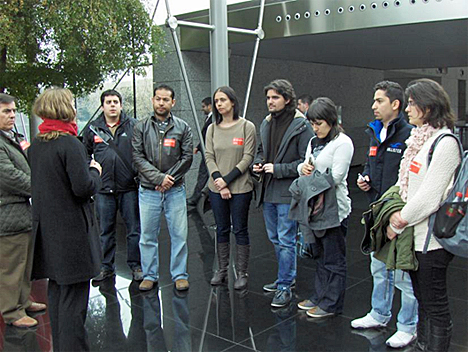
<point>107,205</point>
<point>430,287</point>
<point>330,274</point>
<point>67,310</point>
<point>235,211</point>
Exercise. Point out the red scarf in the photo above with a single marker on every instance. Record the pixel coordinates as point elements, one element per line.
<point>58,125</point>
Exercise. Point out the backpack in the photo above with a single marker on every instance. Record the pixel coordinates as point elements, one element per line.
<point>449,224</point>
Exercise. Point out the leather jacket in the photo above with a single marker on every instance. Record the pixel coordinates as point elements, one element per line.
<point>155,157</point>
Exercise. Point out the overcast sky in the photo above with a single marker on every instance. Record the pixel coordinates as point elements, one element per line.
<point>182,6</point>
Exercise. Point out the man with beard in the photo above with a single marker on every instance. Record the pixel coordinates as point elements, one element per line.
<point>284,135</point>
<point>162,154</point>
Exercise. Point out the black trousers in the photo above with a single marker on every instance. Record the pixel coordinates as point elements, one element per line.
<point>430,287</point>
<point>67,310</point>
<point>330,273</point>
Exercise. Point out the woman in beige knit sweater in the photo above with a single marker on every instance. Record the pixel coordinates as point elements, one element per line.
<point>230,148</point>
<point>423,187</point>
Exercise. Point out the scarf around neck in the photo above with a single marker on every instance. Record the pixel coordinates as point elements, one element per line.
<point>50,125</point>
<point>415,142</point>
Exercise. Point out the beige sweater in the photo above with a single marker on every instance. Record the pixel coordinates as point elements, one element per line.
<point>430,186</point>
<point>227,148</point>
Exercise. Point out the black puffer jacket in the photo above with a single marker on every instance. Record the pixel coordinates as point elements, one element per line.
<point>115,174</point>
<point>155,157</point>
<point>383,159</point>
<point>15,188</point>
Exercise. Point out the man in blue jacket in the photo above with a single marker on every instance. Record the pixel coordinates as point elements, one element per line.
<point>284,135</point>
<point>387,133</point>
<point>109,140</point>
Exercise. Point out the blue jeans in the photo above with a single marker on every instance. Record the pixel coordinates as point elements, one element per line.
<point>282,233</point>
<point>385,282</point>
<point>107,205</point>
<point>330,273</point>
<point>152,204</point>
<point>236,210</point>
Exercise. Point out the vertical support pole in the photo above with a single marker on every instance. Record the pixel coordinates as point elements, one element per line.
<point>219,55</point>
<point>134,95</point>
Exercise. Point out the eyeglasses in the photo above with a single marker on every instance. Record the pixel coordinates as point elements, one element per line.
<point>411,103</point>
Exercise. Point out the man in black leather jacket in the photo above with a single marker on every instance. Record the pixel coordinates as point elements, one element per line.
<point>162,154</point>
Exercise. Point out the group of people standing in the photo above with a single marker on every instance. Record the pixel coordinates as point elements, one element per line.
<point>138,167</point>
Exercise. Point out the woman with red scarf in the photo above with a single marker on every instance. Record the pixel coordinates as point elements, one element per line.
<point>67,249</point>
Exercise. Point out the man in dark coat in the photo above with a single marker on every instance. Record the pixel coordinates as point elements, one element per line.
<point>109,140</point>
<point>387,134</point>
<point>284,135</point>
<point>16,240</point>
<point>202,171</point>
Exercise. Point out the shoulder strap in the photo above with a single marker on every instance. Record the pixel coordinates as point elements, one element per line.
<point>437,140</point>
<point>110,142</point>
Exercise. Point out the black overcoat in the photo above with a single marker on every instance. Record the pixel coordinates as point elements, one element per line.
<point>67,246</point>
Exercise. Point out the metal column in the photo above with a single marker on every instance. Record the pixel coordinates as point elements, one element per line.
<point>219,55</point>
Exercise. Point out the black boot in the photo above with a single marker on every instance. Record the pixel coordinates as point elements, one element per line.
<point>221,275</point>
<point>423,334</point>
<point>439,338</point>
<point>242,265</point>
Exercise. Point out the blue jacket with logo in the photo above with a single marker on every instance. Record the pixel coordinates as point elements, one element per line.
<point>383,158</point>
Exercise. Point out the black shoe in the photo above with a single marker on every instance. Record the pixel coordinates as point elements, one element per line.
<point>274,286</point>
<point>282,298</point>
<point>104,274</point>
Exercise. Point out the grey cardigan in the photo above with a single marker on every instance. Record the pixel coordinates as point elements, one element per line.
<point>305,191</point>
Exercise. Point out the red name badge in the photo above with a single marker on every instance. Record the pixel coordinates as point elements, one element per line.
<point>238,141</point>
<point>373,151</point>
<point>415,167</point>
<point>98,139</point>
<point>169,142</point>
<point>24,145</point>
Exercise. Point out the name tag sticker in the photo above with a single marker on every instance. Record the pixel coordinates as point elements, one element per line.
<point>169,142</point>
<point>98,139</point>
<point>24,145</point>
<point>238,141</point>
<point>415,167</point>
<point>373,151</point>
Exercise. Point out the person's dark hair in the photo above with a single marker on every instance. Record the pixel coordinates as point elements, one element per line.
<point>433,101</point>
<point>207,101</point>
<point>393,91</point>
<point>164,87</point>
<point>305,98</point>
<point>231,94</point>
<point>325,109</point>
<point>285,89</point>
<point>6,98</point>
<point>110,92</point>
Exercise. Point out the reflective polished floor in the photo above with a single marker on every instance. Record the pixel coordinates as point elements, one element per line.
<point>121,318</point>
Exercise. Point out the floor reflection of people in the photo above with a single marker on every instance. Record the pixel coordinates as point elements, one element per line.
<point>283,335</point>
<point>136,338</point>
<point>152,321</point>
<point>18,339</point>
<point>232,314</point>
<point>207,243</point>
<point>114,336</point>
<point>182,341</point>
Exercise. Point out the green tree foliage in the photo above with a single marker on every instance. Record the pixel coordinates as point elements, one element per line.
<point>69,43</point>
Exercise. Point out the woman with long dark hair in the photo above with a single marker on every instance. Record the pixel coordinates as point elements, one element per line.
<point>333,150</point>
<point>423,186</point>
<point>230,148</point>
<point>67,250</point>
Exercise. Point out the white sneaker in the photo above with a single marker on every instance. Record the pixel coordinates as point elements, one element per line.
<point>366,322</point>
<point>400,339</point>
